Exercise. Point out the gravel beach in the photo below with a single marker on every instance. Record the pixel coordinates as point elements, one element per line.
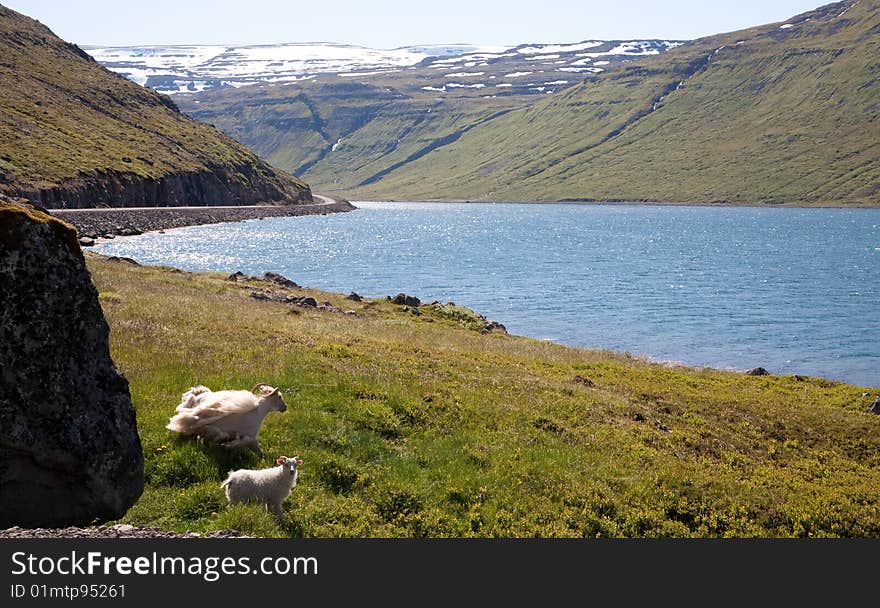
<point>114,531</point>
<point>92,224</point>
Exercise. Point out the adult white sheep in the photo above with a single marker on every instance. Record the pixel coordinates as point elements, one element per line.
<point>230,418</point>
<point>269,486</point>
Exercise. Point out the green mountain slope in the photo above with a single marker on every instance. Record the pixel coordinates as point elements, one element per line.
<point>777,114</point>
<point>771,114</point>
<point>74,134</point>
<point>356,127</point>
<point>345,132</point>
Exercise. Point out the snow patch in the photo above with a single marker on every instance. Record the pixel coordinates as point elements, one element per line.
<point>517,74</point>
<point>374,73</point>
<point>558,48</point>
<point>635,47</point>
<point>590,70</point>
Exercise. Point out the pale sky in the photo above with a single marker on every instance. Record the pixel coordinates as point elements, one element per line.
<point>388,24</point>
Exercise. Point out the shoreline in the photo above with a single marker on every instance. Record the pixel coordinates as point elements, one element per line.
<point>632,204</point>
<point>637,353</point>
<point>93,224</point>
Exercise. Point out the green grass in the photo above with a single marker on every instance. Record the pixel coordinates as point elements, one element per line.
<point>295,126</point>
<point>422,426</point>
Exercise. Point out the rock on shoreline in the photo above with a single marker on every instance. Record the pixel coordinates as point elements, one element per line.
<point>94,224</point>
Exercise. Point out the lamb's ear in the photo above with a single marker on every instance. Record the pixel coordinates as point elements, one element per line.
<point>280,460</point>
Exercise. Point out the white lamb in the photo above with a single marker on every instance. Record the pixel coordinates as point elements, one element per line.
<point>269,486</point>
<point>230,418</point>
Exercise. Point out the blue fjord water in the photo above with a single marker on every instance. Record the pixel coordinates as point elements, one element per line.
<point>796,291</point>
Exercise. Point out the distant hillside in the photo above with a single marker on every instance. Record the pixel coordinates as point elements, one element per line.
<point>74,134</point>
<point>784,113</point>
<point>364,123</point>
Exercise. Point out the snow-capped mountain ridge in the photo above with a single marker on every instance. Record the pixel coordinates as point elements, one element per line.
<point>180,68</point>
<point>193,68</point>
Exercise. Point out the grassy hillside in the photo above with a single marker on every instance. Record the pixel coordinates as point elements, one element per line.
<point>423,426</point>
<point>345,131</point>
<point>70,129</point>
<point>768,115</point>
<point>355,127</point>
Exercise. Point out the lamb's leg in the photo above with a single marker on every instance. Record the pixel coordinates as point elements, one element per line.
<point>276,507</point>
<point>249,443</point>
<point>254,445</point>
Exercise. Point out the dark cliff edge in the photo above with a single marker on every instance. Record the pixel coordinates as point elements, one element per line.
<point>109,188</point>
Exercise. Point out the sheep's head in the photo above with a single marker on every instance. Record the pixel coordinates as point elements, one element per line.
<point>290,463</point>
<point>272,396</point>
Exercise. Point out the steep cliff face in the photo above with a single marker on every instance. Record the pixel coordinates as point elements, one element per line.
<point>73,134</point>
<point>223,186</point>
<point>69,447</point>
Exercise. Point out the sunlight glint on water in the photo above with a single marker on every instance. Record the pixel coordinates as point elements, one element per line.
<point>792,290</point>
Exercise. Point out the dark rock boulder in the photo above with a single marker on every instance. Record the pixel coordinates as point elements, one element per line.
<point>493,326</point>
<point>757,371</point>
<point>281,280</point>
<point>69,448</point>
<point>406,300</point>
<point>122,260</point>
<point>583,380</point>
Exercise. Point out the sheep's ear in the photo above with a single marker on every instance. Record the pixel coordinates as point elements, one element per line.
<point>280,460</point>
<point>276,391</point>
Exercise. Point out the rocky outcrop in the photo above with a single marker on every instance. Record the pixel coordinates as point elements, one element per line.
<point>69,448</point>
<point>405,300</point>
<point>224,185</point>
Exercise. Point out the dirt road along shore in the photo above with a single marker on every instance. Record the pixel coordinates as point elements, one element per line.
<point>94,224</point>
